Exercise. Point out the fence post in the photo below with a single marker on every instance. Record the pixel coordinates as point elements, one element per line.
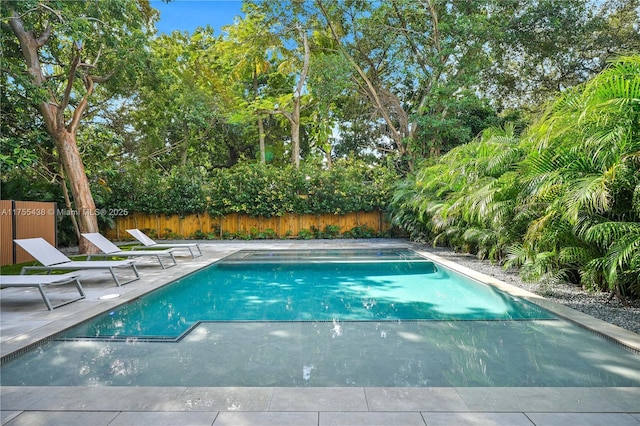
<point>14,226</point>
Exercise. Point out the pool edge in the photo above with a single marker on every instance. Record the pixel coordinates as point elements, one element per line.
<point>613,333</point>
<point>24,342</point>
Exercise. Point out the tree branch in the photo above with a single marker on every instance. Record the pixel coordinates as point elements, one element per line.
<point>370,88</point>
<point>82,105</point>
<point>305,65</point>
<point>29,47</point>
<point>44,38</point>
<point>67,90</point>
<point>404,29</point>
<point>99,79</point>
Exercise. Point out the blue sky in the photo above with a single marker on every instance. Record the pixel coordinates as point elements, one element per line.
<point>186,15</point>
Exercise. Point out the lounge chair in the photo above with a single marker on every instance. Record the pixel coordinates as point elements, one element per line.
<point>52,259</point>
<point>40,281</point>
<point>148,242</point>
<point>109,249</point>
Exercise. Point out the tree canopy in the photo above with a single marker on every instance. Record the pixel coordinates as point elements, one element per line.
<point>91,94</point>
<point>60,60</point>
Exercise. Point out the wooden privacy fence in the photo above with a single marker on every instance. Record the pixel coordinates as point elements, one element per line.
<point>24,219</point>
<point>289,225</point>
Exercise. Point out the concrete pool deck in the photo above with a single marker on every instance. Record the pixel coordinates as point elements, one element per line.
<point>24,321</point>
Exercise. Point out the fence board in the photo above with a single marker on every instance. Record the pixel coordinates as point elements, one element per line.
<point>288,225</point>
<point>24,219</point>
<point>34,219</point>
<point>6,236</point>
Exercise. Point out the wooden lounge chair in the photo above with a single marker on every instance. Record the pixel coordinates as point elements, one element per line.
<point>148,242</point>
<point>109,249</point>
<point>52,259</point>
<point>40,281</point>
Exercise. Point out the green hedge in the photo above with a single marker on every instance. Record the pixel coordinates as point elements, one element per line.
<point>255,189</point>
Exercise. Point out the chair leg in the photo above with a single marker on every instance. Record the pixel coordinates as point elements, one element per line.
<point>193,255</point>
<point>135,271</point>
<point>45,298</point>
<point>113,274</point>
<point>118,283</point>
<point>47,302</point>
<point>173,258</point>
<point>79,287</point>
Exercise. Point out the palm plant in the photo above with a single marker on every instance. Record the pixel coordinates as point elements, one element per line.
<point>466,198</point>
<point>581,179</point>
<point>561,202</point>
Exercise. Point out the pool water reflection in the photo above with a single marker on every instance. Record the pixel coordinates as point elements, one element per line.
<point>413,353</point>
<point>374,319</point>
<point>261,288</point>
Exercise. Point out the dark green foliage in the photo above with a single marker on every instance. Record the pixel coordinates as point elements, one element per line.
<point>559,201</point>
<point>330,232</point>
<point>262,190</point>
<point>362,231</point>
<point>255,189</point>
<point>149,191</point>
<point>305,234</point>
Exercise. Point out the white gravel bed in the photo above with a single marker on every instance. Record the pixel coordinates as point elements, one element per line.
<point>595,304</point>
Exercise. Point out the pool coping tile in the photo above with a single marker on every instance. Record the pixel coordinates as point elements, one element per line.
<point>319,406</point>
<point>66,418</point>
<point>385,418</point>
<point>6,416</point>
<point>165,418</point>
<point>551,399</point>
<point>583,419</point>
<point>318,399</point>
<point>224,399</point>
<point>272,418</point>
<point>73,398</point>
<point>476,418</point>
<point>415,399</point>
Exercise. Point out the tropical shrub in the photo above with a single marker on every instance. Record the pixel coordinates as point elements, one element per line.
<point>263,190</point>
<point>466,198</point>
<point>562,201</point>
<point>582,180</point>
<point>360,231</point>
<point>181,192</point>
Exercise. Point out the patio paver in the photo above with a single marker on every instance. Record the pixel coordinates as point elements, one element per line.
<point>23,324</point>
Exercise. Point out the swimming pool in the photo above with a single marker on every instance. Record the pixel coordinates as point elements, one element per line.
<point>309,286</point>
<point>358,318</point>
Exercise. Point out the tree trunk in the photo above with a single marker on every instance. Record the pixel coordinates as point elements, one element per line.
<point>327,153</point>
<point>64,134</point>
<point>297,98</point>
<point>67,202</point>
<point>261,136</point>
<point>295,133</point>
<point>186,139</point>
<point>263,155</point>
<point>74,169</point>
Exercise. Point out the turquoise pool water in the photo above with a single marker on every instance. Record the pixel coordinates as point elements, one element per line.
<point>341,286</point>
<point>358,318</point>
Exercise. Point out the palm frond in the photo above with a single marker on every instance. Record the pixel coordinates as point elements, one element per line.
<point>606,233</point>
